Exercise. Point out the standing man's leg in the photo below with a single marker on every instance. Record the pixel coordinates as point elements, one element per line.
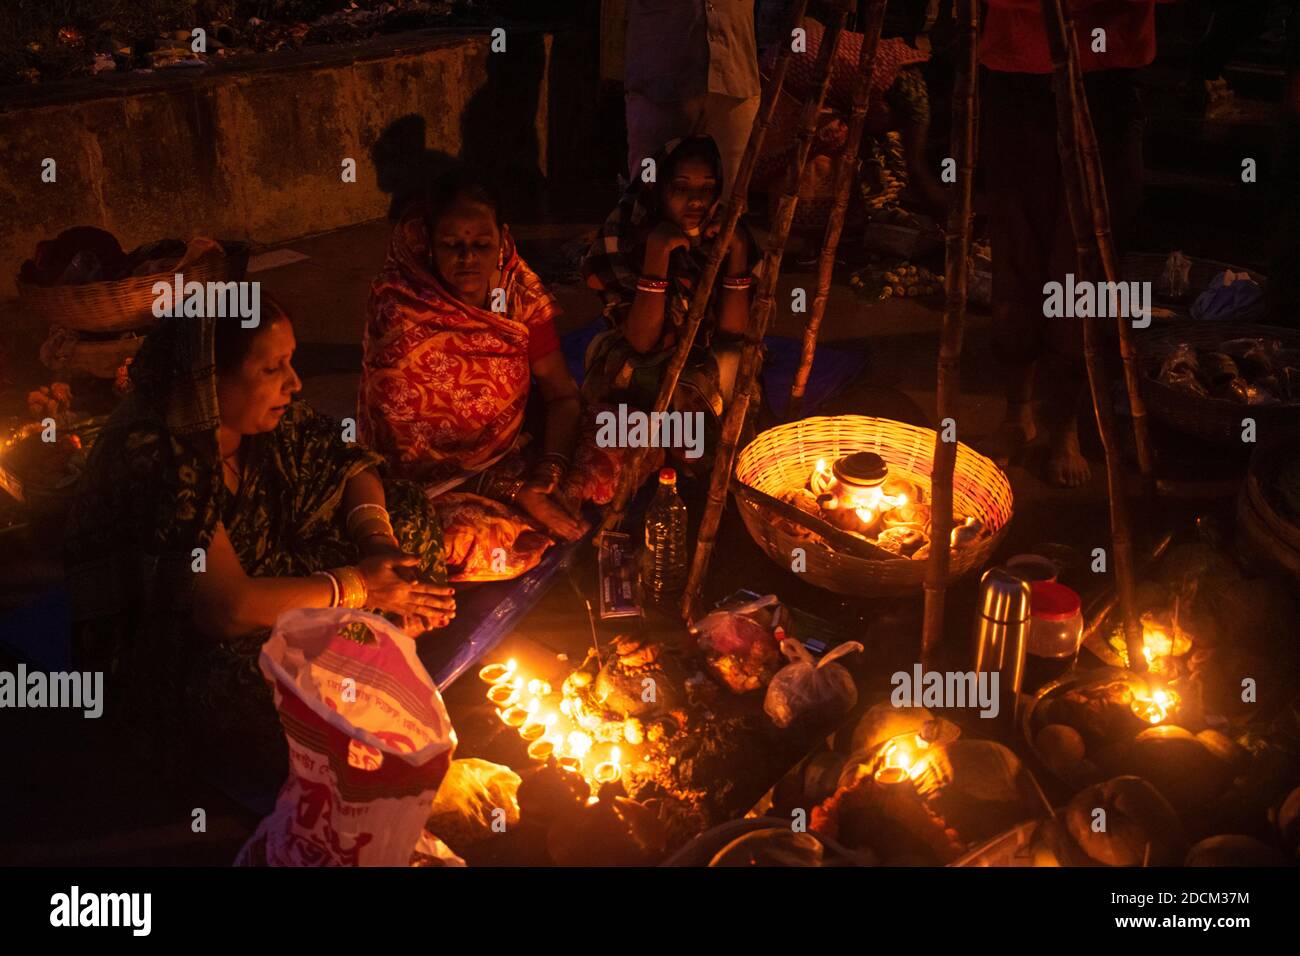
<point>1018,153</point>
<point>651,124</point>
<point>729,120</point>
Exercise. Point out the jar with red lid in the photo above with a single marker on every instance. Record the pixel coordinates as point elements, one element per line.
<point>1055,632</point>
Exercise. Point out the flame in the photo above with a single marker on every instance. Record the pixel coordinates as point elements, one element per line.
<point>579,744</point>
<point>1156,706</point>
<point>865,515</point>
<point>902,754</point>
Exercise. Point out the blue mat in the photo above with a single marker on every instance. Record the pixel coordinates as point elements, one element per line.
<point>486,613</point>
<point>40,633</point>
<point>834,366</point>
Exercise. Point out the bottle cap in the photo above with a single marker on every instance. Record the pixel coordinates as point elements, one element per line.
<point>1049,601</point>
<point>667,476</point>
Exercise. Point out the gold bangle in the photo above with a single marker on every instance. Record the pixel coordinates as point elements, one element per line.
<point>352,587</point>
<point>363,513</point>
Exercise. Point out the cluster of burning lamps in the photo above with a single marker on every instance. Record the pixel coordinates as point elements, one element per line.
<point>519,706</point>
<point>1155,703</point>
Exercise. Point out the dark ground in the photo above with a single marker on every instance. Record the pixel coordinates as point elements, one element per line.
<point>71,796</point>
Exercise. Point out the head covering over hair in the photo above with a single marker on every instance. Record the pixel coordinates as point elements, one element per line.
<point>616,257</point>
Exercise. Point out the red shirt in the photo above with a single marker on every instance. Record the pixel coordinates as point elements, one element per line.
<point>1014,38</point>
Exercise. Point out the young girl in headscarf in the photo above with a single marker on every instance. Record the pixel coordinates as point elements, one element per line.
<point>645,264</point>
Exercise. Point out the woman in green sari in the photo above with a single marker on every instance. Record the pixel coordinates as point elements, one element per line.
<point>211,503</point>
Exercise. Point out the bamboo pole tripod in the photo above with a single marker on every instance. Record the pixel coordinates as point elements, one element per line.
<point>704,290</point>
<point>761,309</point>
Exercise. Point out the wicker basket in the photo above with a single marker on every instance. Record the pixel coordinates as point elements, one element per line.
<point>123,304</point>
<point>1213,419</point>
<point>67,353</point>
<point>1266,539</point>
<point>783,457</point>
<point>1150,266</point>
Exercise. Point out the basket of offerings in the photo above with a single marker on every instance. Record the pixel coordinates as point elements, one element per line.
<point>852,492</point>
<point>83,280</point>
<point>1204,378</point>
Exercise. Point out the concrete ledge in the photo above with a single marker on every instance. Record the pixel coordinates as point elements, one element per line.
<point>254,150</point>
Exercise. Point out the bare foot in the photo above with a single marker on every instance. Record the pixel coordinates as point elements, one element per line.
<point>1066,466</point>
<point>1015,432</point>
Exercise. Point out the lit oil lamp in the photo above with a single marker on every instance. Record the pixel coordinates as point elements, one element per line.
<point>534,727</point>
<point>513,716</point>
<point>538,687</point>
<point>902,759</point>
<point>607,771</point>
<point>541,748</point>
<point>503,694</point>
<point>570,763</point>
<point>1156,706</point>
<point>496,673</point>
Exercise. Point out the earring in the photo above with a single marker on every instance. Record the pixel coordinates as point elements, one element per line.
<point>501,257</point>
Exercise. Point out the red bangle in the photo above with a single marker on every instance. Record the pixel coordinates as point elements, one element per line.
<point>737,282</point>
<point>647,284</point>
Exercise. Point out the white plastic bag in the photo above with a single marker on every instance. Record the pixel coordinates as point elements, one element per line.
<point>369,743</point>
<point>801,688</point>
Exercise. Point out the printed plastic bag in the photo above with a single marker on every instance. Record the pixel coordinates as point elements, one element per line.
<point>820,691</point>
<point>369,743</point>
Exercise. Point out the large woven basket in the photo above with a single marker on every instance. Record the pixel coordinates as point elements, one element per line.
<point>1213,419</point>
<point>782,458</point>
<point>123,304</point>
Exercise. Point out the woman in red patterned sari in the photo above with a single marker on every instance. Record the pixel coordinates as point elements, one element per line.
<point>457,325</point>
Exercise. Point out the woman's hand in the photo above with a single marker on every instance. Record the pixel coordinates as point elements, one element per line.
<point>666,237</point>
<point>549,512</point>
<point>737,249</point>
<point>391,585</point>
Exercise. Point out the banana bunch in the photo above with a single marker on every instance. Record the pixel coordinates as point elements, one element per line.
<point>894,279</point>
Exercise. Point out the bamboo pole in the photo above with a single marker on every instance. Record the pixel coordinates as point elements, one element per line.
<point>844,177</point>
<point>627,483</point>
<point>956,270</point>
<point>1066,84</point>
<point>1097,200</point>
<point>760,313</point>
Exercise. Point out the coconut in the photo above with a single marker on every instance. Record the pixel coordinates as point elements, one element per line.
<point>1232,754</point>
<point>1177,763</point>
<point>1061,747</point>
<point>1234,849</point>
<point>1137,824</point>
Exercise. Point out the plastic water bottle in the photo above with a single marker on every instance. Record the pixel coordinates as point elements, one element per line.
<point>665,540</point>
